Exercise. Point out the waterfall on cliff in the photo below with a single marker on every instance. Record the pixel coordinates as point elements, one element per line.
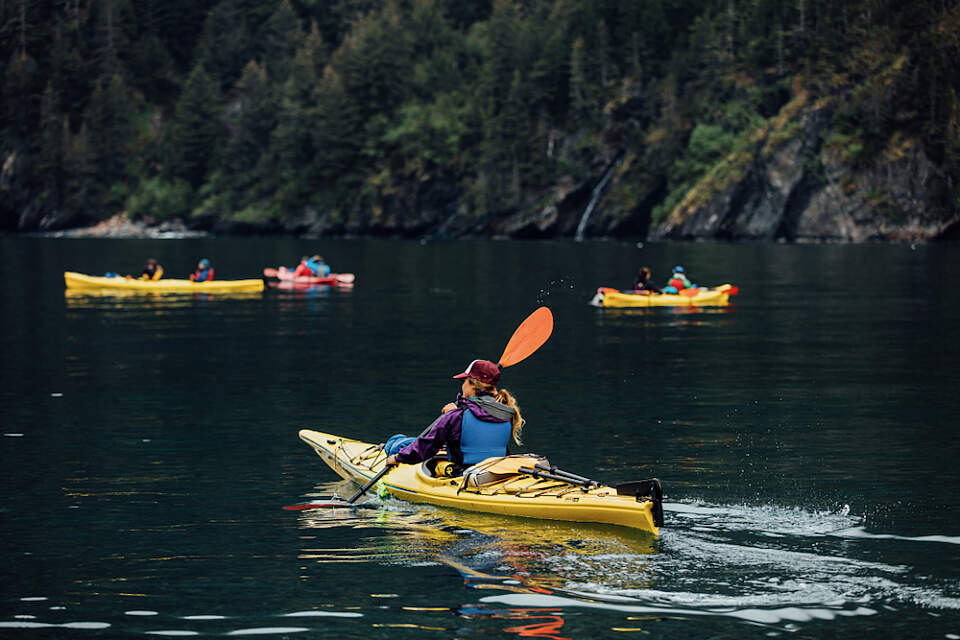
<point>595,197</point>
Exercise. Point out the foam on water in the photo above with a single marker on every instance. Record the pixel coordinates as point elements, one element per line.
<point>323,614</point>
<point>763,565</point>
<point>744,557</point>
<point>42,625</point>
<point>262,631</point>
<point>860,532</point>
<point>760,616</point>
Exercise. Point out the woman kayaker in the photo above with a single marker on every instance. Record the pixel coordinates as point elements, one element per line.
<point>479,425</point>
<point>642,283</point>
<point>203,273</point>
<point>152,270</point>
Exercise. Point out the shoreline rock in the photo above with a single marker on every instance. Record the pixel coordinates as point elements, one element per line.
<point>120,226</point>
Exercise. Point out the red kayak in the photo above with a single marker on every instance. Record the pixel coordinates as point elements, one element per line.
<point>286,275</point>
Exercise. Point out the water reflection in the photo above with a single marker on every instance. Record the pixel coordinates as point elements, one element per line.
<point>489,552</point>
<point>550,620</point>
<point>686,316</point>
<point>537,572</point>
<point>113,299</point>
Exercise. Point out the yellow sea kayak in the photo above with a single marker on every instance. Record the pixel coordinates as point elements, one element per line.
<point>718,296</point>
<point>81,281</point>
<point>514,485</point>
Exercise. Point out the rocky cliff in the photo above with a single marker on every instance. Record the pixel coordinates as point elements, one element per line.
<point>794,181</point>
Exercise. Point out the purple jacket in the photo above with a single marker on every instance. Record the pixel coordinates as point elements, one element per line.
<point>447,428</point>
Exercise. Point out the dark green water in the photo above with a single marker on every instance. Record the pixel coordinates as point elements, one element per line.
<point>806,440</point>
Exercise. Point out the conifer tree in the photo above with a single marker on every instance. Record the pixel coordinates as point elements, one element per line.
<point>21,97</point>
<point>82,193</point>
<point>336,131</point>
<point>291,150</point>
<point>279,38</point>
<point>50,152</point>
<point>109,118</point>
<point>191,142</point>
<point>252,123</point>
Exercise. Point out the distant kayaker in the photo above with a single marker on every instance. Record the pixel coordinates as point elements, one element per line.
<point>642,283</point>
<point>152,270</point>
<point>479,425</point>
<point>319,268</point>
<point>678,281</point>
<point>303,269</point>
<point>203,273</point>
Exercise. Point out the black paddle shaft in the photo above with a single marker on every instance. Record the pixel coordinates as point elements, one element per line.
<point>384,471</point>
<point>583,484</point>
<point>561,472</point>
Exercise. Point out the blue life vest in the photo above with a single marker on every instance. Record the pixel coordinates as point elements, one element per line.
<point>480,440</point>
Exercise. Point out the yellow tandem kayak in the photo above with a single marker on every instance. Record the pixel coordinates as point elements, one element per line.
<point>520,485</point>
<point>82,281</point>
<point>718,296</point>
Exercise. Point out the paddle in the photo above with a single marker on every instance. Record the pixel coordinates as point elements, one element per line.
<point>729,289</point>
<point>527,338</point>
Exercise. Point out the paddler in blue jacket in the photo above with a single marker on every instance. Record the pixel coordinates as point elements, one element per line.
<point>319,268</point>
<point>203,273</point>
<point>479,425</point>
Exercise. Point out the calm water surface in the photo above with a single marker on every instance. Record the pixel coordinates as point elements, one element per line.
<point>805,437</point>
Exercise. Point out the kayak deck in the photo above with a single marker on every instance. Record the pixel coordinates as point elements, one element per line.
<point>75,280</point>
<point>513,485</point>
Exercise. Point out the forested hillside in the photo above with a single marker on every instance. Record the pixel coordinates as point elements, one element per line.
<point>795,119</point>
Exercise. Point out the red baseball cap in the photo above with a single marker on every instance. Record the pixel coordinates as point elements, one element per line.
<point>482,370</point>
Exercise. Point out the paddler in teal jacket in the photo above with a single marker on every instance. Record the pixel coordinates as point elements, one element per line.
<point>479,425</point>
<point>203,273</point>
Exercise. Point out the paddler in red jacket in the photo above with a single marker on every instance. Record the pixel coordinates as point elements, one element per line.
<point>678,281</point>
<point>479,425</point>
<point>302,269</point>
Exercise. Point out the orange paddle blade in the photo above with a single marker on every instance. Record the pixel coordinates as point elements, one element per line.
<point>690,293</point>
<point>529,336</point>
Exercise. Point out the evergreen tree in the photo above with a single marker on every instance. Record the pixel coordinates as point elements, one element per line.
<point>50,153</point>
<point>228,41</point>
<point>373,62</point>
<point>279,38</point>
<point>109,118</point>
<point>82,194</point>
<point>253,120</point>
<point>192,140</point>
<point>336,132</point>
<point>291,150</point>
<point>21,98</point>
